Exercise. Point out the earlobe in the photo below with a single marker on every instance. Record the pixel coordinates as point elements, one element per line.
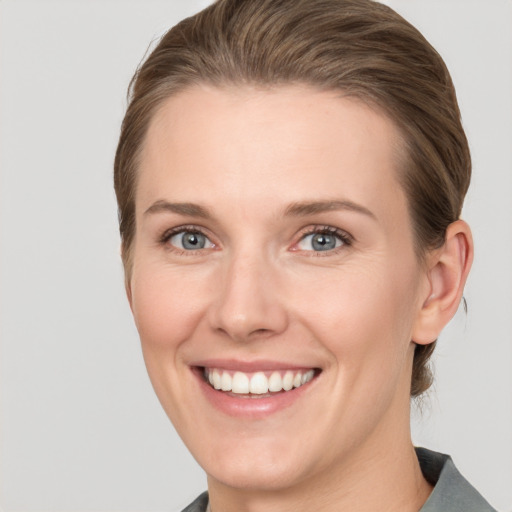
<point>448,270</point>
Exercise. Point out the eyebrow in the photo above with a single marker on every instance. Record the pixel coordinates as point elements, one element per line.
<point>188,209</point>
<point>302,209</point>
<point>297,209</point>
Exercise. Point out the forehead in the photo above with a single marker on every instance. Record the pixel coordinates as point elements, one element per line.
<point>246,144</point>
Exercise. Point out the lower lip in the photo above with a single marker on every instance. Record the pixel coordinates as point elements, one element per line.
<point>250,406</point>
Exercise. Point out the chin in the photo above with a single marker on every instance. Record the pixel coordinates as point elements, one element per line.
<point>254,475</point>
<point>257,464</point>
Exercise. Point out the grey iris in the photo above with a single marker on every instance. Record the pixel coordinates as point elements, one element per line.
<point>193,240</point>
<point>323,242</point>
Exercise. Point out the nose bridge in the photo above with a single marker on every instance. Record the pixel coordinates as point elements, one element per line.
<point>248,300</point>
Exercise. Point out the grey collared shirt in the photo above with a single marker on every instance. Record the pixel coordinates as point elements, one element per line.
<point>452,492</point>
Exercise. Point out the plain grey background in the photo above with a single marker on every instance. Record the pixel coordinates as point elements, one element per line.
<point>81,429</point>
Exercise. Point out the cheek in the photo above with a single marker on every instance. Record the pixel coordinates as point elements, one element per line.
<point>167,304</point>
<point>364,316</point>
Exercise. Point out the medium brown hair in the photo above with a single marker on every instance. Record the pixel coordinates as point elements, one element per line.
<point>359,47</point>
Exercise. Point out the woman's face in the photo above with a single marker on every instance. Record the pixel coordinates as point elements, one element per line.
<point>274,249</point>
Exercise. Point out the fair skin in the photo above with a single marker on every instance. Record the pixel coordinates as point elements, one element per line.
<point>290,251</point>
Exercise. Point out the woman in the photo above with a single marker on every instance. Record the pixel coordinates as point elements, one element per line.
<point>290,176</point>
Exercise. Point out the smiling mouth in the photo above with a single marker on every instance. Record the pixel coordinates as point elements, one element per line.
<point>257,384</point>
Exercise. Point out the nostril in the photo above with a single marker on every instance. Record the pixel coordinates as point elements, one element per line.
<point>245,335</point>
<point>260,332</point>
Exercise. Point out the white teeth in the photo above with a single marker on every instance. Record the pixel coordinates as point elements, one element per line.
<point>288,381</point>
<point>308,376</point>
<point>275,383</point>
<point>257,383</point>
<point>216,379</point>
<point>240,383</point>
<point>225,382</point>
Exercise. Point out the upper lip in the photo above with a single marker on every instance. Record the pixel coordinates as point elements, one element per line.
<point>250,366</point>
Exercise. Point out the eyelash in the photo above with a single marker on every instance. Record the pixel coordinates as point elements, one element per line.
<point>346,239</point>
<point>167,235</point>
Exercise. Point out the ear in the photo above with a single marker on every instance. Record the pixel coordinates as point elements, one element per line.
<point>448,270</point>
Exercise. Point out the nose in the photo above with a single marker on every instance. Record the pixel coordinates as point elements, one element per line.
<point>249,303</point>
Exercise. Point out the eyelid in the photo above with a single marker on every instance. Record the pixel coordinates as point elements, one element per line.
<point>188,228</point>
<point>346,238</point>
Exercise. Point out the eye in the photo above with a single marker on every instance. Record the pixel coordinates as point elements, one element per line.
<point>326,239</point>
<point>189,240</point>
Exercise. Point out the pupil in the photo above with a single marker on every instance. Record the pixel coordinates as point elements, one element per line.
<point>323,242</point>
<point>193,241</point>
